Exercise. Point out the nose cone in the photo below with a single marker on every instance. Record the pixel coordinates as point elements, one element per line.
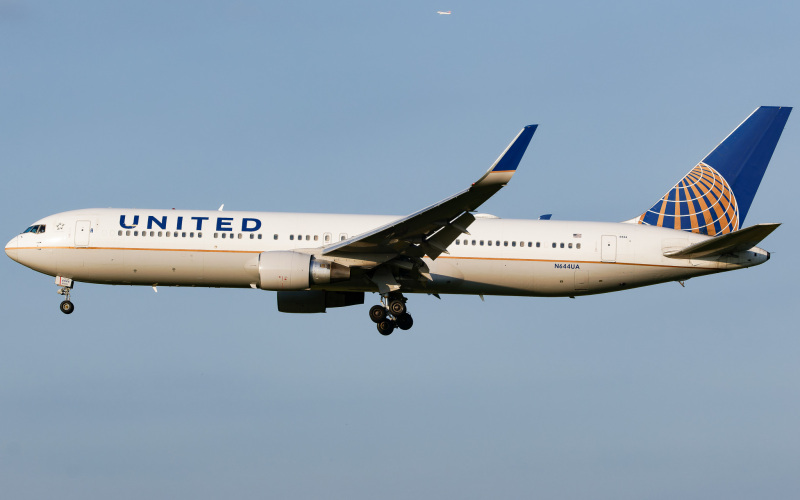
<point>11,248</point>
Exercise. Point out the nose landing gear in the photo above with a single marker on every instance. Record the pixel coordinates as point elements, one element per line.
<point>391,313</point>
<point>66,285</point>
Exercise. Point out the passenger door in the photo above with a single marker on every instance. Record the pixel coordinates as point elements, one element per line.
<point>82,230</point>
<point>608,248</point>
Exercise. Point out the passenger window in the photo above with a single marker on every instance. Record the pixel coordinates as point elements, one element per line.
<point>259,236</point>
<point>308,237</point>
<point>473,242</point>
<point>489,242</point>
<point>570,245</point>
<point>152,233</point>
<point>175,234</point>
<point>562,245</point>
<point>274,236</point>
<point>458,242</point>
<point>159,234</point>
<point>291,237</point>
<point>578,246</point>
<point>554,245</point>
<point>538,244</point>
<point>513,243</point>
<point>240,236</point>
<point>252,236</point>
<point>191,235</point>
<point>505,243</point>
<point>136,233</point>
<point>481,242</point>
<point>216,235</point>
<point>167,234</point>
<point>316,237</point>
<point>183,234</point>
<point>199,235</point>
<point>119,233</point>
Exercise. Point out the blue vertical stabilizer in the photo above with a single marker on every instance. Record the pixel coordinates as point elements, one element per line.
<point>715,196</point>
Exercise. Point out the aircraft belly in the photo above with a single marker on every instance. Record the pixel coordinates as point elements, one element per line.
<point>555,278</point>
<point>493,276</point>
<point>91,264</point>
<point>230,269</point>
<point>148,266</point>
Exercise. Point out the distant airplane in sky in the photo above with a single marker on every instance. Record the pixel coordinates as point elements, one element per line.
<point>320,261</point>
<point>444,12</point>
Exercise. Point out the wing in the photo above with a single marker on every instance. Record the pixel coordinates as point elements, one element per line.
<point>431,230</point>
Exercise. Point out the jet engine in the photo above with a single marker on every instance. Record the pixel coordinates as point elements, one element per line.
<point>297,271</point>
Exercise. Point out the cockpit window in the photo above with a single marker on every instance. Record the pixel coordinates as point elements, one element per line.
<point>39,228</point>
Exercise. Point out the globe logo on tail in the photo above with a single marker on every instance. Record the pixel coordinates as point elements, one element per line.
<point>702,202</point>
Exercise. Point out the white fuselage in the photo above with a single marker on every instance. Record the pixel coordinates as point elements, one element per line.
<point>221,249</point>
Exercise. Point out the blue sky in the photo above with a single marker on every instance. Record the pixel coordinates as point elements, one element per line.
<point>377,107</point>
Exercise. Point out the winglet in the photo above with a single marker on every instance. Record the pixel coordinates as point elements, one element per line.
<point>504,167</point>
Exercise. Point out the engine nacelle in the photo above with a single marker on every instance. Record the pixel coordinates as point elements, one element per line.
<point>297,271</point>
<point>316,301</point>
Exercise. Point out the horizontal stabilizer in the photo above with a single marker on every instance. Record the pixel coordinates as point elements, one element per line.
<point>737,241</point>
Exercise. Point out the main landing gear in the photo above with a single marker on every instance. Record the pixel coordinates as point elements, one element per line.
<point>391,313</point>
<point>66,285</point>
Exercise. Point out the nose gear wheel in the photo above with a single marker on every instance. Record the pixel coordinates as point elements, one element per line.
<point>66,307</point>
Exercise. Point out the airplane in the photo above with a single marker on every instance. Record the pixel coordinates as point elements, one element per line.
<point>444,12</point>
<point>321,261</point>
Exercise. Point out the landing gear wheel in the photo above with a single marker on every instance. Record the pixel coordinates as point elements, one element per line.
<point>386,327</point>
<point>397,307</point>
<point>377,313</point>
<point>404,321</point>
<point>67,307</point>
